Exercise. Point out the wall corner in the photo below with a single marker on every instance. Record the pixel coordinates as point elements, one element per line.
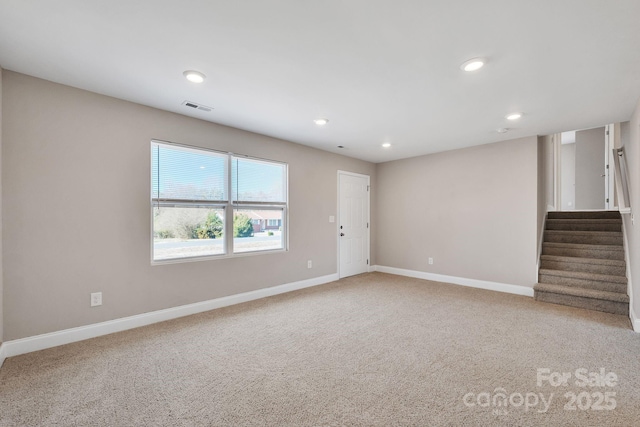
<point>1,254</point>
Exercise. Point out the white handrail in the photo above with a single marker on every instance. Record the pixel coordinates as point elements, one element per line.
<point>622,183</point>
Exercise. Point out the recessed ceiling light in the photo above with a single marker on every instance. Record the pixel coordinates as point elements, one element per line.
<point>194,76</point>
<point>502,130</point>
<point>321,122</point>
<point>473,64</point>
<point>386,145</point>
<point>513,116</point>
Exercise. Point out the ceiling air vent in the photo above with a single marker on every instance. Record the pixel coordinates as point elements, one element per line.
<point>196,106</point>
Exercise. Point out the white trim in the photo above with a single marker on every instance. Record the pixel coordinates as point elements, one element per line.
<point>608,182</point>
<point>472,283</point>
<point>556,138</point>
<point>3,354</point>
<point>54,339</point>
<point>635,320</point>
<point>625,245</point>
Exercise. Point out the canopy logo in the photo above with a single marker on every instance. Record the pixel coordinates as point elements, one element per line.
<point>595,398</point>
<point>499,401</point>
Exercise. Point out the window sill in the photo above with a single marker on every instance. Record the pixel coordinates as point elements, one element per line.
<point>216,257</point>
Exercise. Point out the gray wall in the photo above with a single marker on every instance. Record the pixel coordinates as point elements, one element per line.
<point>632,231</point>
<point>473,210</point>
<point>1,240</point>
<point>589,166</point>
<point>568,181</point>
<point>76,209</point>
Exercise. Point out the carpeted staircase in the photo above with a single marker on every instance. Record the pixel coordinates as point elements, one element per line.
<point>582,262</point>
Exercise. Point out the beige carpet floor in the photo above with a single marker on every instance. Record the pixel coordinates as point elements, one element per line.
<point>370,350</point>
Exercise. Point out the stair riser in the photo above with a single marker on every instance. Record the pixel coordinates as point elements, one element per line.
<point>583,253</point>
<point>583,283</point>
<point>583,239</point>
<point>584,227</point>
<point>613,270</point>
<point>584,215</point>
<point>581,302</point>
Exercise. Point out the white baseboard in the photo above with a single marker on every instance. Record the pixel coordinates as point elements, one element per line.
<point>635,320</point>
<point>473,283</point>
<point>54,339</point>
<point>2,354</point>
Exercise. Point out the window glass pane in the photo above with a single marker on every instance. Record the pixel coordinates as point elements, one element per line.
<point>182,232</point>
<point>191,190</point>
<point>182,173</point>
<point>250,235</point>
<point>258,181</point>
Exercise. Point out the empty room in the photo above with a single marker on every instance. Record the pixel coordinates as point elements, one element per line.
<point>336,213</point>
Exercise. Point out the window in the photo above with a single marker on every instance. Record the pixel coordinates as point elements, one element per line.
<point>201,197</point>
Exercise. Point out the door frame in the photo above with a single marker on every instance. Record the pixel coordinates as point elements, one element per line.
<point>556,143</point>
<point>612,141</point>
<point>359,175</point>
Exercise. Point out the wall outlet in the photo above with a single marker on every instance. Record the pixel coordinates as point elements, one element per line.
<point>332,218</point>
<point>430,261</point>
<point>309,264</point>
<point>96,299</point>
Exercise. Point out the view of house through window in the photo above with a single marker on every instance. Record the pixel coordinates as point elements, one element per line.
<point>200,197</point>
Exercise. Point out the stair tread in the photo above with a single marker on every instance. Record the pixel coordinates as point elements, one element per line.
<point>586,276</point>
<point>583,246</point>
<point>579,274</point>
<point>579,260</point>
<point>582,292</point>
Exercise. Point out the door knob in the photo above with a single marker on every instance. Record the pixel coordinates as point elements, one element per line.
<point>341,234</point>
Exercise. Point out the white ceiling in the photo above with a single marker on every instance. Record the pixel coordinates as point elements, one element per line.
<point>378,70</point>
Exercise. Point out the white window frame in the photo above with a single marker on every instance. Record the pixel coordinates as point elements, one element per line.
<point>229,207</point>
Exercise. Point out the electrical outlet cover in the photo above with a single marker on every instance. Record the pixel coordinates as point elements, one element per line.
<point>96,299</point>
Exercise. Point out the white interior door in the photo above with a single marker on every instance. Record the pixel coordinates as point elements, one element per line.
<point>353,223</point>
